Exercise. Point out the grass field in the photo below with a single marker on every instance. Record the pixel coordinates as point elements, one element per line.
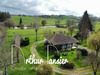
<point>28,20</point>
<point>21,68</point>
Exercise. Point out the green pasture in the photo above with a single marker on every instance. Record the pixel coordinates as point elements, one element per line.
<point>28,20</point>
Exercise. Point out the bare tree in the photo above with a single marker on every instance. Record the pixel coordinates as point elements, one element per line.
<point>9,23</point>
<point>17,42</point>
<point>70,23</point>
<point>4,50</point>
<point>57,22</point>
<point>93,61</point>
<point>36,25</point>
<point>5,57</point>
<point>2,36</point>
<point>71,29</point>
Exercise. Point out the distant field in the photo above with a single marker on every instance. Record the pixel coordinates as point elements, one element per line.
<point>28,20</point>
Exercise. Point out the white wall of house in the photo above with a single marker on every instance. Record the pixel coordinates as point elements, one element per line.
<point>67,46</point>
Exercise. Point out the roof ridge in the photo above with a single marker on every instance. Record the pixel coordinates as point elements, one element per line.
<point>61,38</point>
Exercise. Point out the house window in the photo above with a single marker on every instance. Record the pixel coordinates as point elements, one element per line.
<point>64,46</point>
<point>69,45</point>
<point>72,44</point>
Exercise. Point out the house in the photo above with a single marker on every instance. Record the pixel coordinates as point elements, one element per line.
<point>61,41</point>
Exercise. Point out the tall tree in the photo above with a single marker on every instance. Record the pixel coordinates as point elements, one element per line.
<point>36,25</point>
<point>85,22</point>
<point>20,22</point>
<point>68,23</point>
<point>93,42</point>
<point>84,26</point>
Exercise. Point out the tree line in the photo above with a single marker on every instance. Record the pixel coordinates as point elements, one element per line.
<point>4,16</point>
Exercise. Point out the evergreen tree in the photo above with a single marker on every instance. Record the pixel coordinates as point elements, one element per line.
<point>85,26</point>
<point>20,22</point>
<point>85,23</point>
<point>4,16</point>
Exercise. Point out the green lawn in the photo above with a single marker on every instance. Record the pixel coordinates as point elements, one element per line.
<point>32,37</point>
<point>26,50</point>
<point>71,56</point>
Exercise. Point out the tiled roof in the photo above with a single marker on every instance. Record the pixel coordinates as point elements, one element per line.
<point>61,38</point>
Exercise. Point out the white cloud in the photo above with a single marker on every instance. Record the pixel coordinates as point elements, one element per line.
<point>39,7</point>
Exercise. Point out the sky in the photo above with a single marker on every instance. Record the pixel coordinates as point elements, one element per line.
<point>51,7</point>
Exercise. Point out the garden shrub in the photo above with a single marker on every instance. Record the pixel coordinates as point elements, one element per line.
<point>44,69</point>
<point>65,54</point>
<point>84,52</point>
<point>78,54</point>
<point>68,65</point>
<point>24,42</point>
<point>57,54</point>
